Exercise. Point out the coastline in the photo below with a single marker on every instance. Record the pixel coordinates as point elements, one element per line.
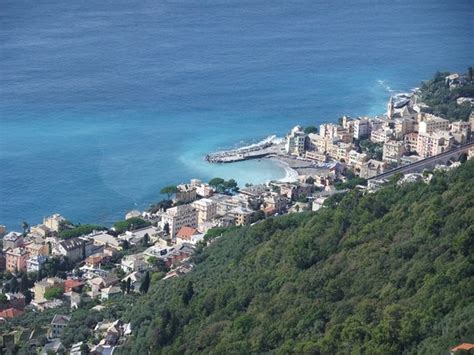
<point>291,175</point>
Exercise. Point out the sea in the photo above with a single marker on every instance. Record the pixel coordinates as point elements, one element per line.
<point>102,103</point>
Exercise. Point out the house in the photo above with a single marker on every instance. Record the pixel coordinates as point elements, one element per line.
<point>135,262</point>
<point>464,348</point>
<point>110,292</point>
<point>12,240</point>
<point>185,235</point>
<point>98,283</point>
<point>16,260</point>
<point>58,324</point>
<point>53,347</point>
<point>11,313</point>
<point>72,285</point>
<point>16,300</point>
<point>318,203</point>
<point>96,260</point>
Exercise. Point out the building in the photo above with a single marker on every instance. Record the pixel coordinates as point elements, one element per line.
<point>431,123</point>
<point>403,126</point>
<point>372,168</point>
<point>136,236</point>
<point>35,263</point>
<point>275,202</point>
<point>241,215</point>
<point>393,151</point>
<point>360,128</point>
<point>40,230</point>
<point>356,159</point>
<point>318,143</point>
<point>12,240</point>
<point>186,193</point>
<point>461,131</point>
<point>296,141</point>
<point>55,223</point>
<point>411,141</point>
<point>75,249</point>
<point>44,285</point>
<point>36,249</point>
<point>176,217</point>
<point>464,348</point>
<point>16,260</point>
<point>436,143</point>
<point>317,156</point>
<point>381,135</point>
<point>105,240</point>
<point>135,262</point>
<point>188,235</point>
<point>58,324</point>
<point>206,210</point>
<point>110,292</point>
<point>202,189</point>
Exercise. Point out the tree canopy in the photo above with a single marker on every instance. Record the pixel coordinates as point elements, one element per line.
<point>388,272</point>
<point>130,224</point>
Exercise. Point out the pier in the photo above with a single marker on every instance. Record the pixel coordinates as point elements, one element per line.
<point>268,146</point>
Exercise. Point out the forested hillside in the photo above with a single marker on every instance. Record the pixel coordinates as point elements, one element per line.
<point>389,273</point>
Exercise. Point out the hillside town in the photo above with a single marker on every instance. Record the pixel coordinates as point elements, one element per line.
<point>57,265</point>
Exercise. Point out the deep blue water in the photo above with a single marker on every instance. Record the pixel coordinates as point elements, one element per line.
<point>102,103</point>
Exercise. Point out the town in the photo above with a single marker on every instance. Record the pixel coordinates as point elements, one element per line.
<point>58,267</point>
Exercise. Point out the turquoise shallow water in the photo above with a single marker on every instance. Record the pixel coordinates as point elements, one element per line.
<point>101,104</point>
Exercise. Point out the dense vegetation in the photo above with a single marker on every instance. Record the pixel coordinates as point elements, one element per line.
<point>130,224</point>
<point>389,273</point>
<point>80,230</point>
<point>442,100</point>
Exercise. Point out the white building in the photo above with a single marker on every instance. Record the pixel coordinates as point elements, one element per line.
<point>295,141</point>
<point>176,217</point>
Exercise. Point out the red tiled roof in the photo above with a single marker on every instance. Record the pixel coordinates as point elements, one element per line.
<point>11,313</point>
<point>186,232</point>
<point>70,284</point>
<point>463,346</point>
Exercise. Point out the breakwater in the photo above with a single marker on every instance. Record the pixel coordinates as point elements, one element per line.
<point>268,146</point>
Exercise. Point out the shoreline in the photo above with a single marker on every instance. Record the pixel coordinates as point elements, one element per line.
<point>291,175</point>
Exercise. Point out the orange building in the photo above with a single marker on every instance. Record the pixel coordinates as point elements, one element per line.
<point>16,259</point>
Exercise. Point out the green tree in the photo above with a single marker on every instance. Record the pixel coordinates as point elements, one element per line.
<point>310,129</point>
<point>188,293</point>
<point>169,191</point>
<point>145,283</point>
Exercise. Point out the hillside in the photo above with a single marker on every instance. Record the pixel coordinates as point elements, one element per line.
<point>390,272</point>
